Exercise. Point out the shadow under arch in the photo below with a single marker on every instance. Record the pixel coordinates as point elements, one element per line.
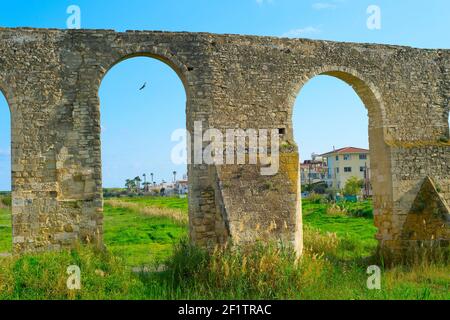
<point>381,173</point>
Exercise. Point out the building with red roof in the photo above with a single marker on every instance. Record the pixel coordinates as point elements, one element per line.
<point>348,162</point>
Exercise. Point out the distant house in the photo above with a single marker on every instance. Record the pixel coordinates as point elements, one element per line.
<point>345,163</point>
<point>313,171</point>
<point>182,186</point>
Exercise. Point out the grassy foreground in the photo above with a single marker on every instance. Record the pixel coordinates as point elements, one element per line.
<point>142,235</point>
<point>151,231</point>
<point>5,229</point>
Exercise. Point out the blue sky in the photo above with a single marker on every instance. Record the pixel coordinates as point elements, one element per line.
<point>137,124</point>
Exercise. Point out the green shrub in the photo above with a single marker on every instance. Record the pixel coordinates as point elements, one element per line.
<point>6,201</point>
<point>315,198</point>
<point>360,209</point>
<point>261,271</point>
<point>353,186</point>
<point>337,209</point>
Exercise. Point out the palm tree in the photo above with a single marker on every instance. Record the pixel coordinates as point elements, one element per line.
<point>146,188</point>
<point>151,175</point>
<point>138,183</point>
<point>145,182</point>
<point>174,176</point>
<point>130,184</point>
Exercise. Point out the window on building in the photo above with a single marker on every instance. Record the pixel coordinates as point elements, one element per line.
<point>348,169</point>
<point>337,158</point>
<point>346,157</point>
<point>363,157</point>
<point>362,169</point>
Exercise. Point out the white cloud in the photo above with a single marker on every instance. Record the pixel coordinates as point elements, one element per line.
<point>294,33</point>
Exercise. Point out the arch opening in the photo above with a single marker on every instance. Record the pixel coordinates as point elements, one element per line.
<point>143,106</point>
<point>338,127</point>
<point>5,178</point>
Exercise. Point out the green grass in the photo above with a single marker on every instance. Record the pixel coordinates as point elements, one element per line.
<point>140,239</point>
<point>356,234</point>
<point>160,202</point>
<point>44,277</point>
<point>262,272</point>
<point>338,249</point>
<point>5,230</point>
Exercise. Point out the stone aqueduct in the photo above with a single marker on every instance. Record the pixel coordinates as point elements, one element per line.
<point>51,79</point>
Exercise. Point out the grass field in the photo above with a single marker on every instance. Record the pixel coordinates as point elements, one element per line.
<point>5,230</point>
<point>150,231</point>
<point>356,235</point>
<point>141,239</point>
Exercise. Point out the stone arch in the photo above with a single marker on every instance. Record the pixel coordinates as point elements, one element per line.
<point>159,54</point>
<point>14,120</point>
<point>166,57</point>
<point>366,90</point>
<point>381,173</point>
<point>7,96</point>
<point>181,70</point>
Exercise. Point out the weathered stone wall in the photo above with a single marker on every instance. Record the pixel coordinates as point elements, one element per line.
<point>51,80</point>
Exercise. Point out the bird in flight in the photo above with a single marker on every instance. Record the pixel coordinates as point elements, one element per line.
<point>143,87</point>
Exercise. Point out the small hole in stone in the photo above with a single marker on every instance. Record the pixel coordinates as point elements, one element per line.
<point>282,131</point>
